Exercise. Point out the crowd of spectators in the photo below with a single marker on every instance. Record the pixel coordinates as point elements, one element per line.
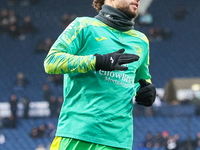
<point>164,141</point>
<point>19,96</point>
<point>158,33</point>
<point>55,103</point>
<point>9,23</point>
<point>44,130</point>
<point>12,120</point>
<point>154,33</point>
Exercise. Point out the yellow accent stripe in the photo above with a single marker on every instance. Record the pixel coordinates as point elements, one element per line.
<point>102,38</point>
<point>56,143</point>
<point>148,80</point>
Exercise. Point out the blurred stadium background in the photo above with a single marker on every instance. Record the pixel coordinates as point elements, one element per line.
<point>173,29</point>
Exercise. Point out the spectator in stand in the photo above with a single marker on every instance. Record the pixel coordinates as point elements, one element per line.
<point>14,31</point>
<point>53,106</point>
<point>57,79</point>
<point>65,20</point>
<point>149,141</point>
<point>171,144</point>
<point>47,92</point>
<point>42,130</point>
<point>4,14</point>
<point>72,17</point>
<point>149,145</point>
<point>25,103</point>
<point>47,44</point>
<point>20,84</point>
<point>4,21</point>
<point>157,34</point>
<point>180,13</point>
<point>27,26</point>
<point>13,104</point>
<point>177,138</point>
<point>34,133</point>
<point>10,122</point>
<point>51,130</point>
<point>165,135</point>
<point>158,138</point>
<point>188,144</point>
<point>154,35</point>
<point>43,46</point>
<point>21,80</point>
<point>12,18</point>
<point>196,101</point>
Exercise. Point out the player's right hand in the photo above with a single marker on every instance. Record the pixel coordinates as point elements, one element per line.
<point>114,61</point>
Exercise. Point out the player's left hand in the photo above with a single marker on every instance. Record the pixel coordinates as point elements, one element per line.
<point>146,94</point>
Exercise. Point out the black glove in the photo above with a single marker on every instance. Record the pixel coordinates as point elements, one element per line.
<point>114,61</point>
<point>146,94</point>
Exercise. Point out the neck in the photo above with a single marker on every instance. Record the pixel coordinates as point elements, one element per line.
<point>109,2</point>
<point>115,18</point>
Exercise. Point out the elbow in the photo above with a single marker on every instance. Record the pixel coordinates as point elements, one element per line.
<point>47,68</point>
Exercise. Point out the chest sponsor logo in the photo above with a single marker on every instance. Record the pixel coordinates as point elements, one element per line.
<point>117,78</point>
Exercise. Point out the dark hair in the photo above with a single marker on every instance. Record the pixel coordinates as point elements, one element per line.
<point>97,4</point>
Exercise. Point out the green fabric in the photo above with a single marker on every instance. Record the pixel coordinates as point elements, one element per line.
<point>98,106</point>
<point>73,144</point>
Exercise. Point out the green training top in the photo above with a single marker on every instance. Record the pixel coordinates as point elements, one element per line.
<point>97,106</point>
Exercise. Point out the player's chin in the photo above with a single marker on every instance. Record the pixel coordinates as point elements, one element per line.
<point>132,14</point>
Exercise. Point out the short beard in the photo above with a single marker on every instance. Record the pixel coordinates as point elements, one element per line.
<point>126,11</point>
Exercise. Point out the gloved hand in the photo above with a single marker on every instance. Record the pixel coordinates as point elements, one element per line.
<point>146,94</point>
<point>114,61</point>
